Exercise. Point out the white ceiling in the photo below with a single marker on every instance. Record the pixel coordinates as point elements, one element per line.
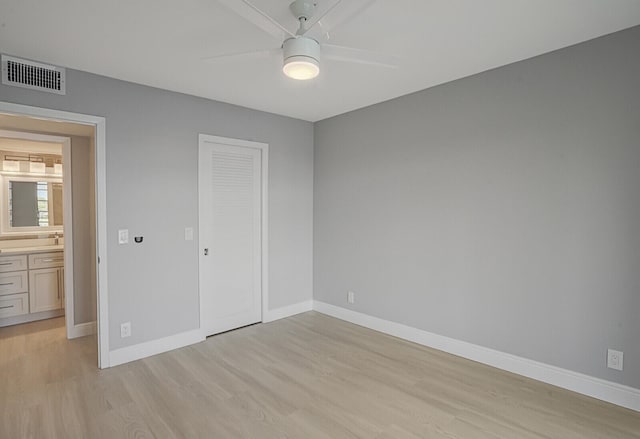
<point>162,43</point>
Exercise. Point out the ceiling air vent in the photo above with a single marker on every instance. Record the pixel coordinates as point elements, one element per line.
<point>34,75</point>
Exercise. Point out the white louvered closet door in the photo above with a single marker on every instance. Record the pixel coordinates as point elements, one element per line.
<point>230,236</point>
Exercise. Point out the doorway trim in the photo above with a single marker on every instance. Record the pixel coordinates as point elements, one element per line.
<point>264,217</point>
<point>102,314</point>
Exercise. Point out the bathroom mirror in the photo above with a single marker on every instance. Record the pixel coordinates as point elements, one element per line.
<point>31,204</point>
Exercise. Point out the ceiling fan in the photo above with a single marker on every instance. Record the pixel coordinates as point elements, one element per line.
<point>301,50</point>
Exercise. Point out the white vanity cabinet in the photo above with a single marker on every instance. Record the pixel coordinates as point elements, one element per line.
<point>29,284</point>
<point>14,286</point>
<point>46,284</point>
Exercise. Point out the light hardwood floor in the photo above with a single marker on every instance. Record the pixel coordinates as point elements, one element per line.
<point>308,376</point>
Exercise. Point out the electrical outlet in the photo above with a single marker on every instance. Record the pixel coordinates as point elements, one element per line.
<point>351,297</point>
<point>615,359</point>
<point>123,236</point>
<point>125,330</point>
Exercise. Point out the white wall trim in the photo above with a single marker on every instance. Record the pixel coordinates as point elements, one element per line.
<point>587,385</point>
<point>67,201</point>
<point>26,318</point>
<point>154,347</point>
<point>81,330</point>
<point>287,311</point>
<point>101,208</point>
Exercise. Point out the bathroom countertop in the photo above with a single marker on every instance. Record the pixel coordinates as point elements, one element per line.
<point>38,249</point>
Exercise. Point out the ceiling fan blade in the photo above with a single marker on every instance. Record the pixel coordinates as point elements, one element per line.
<point>259,18</point>
<point>358,56</point>
<point>252,54</point>
<point>334,16</point>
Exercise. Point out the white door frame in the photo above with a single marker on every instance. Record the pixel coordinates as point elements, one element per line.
<point>264,214</point>
<point>101,209</point>
<point>67,227</point>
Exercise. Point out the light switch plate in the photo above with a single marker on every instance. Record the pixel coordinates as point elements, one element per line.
<point>123,236</point>
<point>188,234</point>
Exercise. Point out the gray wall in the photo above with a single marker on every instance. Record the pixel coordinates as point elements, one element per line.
<point>82,184</point>
<point>502,209</point>
<point>152,153</point>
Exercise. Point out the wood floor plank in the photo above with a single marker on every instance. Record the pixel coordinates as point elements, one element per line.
<point>309,376</point>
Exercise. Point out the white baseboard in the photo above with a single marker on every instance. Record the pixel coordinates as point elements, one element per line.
<point>154,347</point>
<point>82,329</point>
<point>608,391</point>
<point>27,318</point>
<point>287,311</point>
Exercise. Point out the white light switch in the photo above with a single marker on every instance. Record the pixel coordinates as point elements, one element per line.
<point>188,234</point>
<point>123,236</point>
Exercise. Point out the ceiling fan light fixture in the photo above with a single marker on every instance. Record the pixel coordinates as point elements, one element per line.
<point>301,58</point>
<point>301,68</point>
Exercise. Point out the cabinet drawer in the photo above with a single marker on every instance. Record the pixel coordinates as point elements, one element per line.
<point>14,305</point>
<point>11,283</point>
<point>46,260</point>
<point>13,263</point>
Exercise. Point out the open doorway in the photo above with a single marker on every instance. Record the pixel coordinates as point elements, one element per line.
<point>52,243</point>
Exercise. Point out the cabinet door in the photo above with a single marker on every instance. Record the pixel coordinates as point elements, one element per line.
<point>44,290</point>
